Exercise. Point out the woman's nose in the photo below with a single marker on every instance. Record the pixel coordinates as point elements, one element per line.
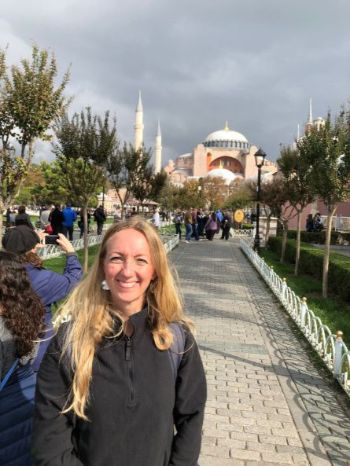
<point>128,267</point>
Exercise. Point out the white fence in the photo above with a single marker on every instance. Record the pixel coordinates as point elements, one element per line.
<point>51,250</point>
<point>331,348</point>
<point>242,233</point>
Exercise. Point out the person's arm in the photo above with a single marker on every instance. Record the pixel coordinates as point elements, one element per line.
<point>57,286</point>
<point>191,394</point>
<point>53,432</point>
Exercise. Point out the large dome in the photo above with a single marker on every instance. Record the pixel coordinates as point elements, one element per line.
<point>227,175</point>
<point>226,138</point>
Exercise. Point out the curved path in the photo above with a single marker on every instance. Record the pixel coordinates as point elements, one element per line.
<point>269,399</point>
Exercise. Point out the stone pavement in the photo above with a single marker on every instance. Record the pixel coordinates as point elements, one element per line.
<point>270,402</point>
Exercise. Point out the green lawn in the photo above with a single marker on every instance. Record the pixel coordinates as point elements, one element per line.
<point>333,312</point>
<point>57,263</point>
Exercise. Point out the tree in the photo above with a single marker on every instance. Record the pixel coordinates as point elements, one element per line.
<point>296,173</point>
<point>30,192</point>
<point>274,198</point>
<point>214,192</point>
<point>139,173</point>
<point>327,152</point>
<point>158,183</point>
<point>50,189</point>
<point>30,101</point>
<point>241,196</point>
<point>129,173</point>
<point>84,144</point>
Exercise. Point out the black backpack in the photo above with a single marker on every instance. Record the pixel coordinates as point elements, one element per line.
<point>177,348</point>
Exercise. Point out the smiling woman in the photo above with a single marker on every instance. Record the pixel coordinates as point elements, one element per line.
<point>111,357</point>
<point>128,270</point>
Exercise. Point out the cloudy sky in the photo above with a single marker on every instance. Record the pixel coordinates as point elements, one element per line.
<point>198,63</point>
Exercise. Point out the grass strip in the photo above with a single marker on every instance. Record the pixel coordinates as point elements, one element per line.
<point>333,312</point>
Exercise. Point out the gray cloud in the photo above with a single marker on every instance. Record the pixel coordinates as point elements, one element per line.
<point>198,63</point>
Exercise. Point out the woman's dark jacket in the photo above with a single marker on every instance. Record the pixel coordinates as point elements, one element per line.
<point>134,405</point>
<point>52,287</point>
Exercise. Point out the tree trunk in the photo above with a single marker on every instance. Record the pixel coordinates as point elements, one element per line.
<point>327,250</point>
<point>85,238</point>
<point>267,232</point>
<point>284,241</point>
<point>2,208</point>
<point>297,253</point>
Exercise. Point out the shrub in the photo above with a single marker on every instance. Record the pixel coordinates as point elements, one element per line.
<point>319,237</point>
<point>311,263</point>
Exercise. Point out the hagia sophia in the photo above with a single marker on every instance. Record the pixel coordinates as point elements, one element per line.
<point>224,153</point>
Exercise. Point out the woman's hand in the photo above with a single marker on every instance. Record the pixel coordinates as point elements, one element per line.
<point>64,243</point>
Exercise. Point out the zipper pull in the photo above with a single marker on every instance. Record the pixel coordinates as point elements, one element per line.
<point>128,349</point>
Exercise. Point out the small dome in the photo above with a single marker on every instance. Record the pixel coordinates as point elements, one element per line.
<point>227,175</point>
<point>226,138</point>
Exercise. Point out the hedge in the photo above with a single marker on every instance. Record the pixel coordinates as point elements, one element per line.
<point>319,237</point>
<point>311,263</point>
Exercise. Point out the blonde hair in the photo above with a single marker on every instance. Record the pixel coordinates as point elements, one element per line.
<point>90,319</point>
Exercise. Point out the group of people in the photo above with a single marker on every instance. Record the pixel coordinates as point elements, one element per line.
<point>119,380</point>
<point>314,223</point>
<point>55,220</point>
<point>200,224</point>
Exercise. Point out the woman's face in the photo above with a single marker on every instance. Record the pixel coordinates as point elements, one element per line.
<point>128,270</point>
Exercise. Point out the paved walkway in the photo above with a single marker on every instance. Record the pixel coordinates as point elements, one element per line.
<point>269,400</point>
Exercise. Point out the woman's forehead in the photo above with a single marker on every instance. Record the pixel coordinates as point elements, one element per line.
<point>128,240</point>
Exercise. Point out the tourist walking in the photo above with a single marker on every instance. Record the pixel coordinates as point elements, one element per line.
<point>178,220</point>
<point>188,225</point>
<point>22,218</point>
<point>156,219</point>
<point>50,286</point>
<point>69,217</point>
<point>195,225</point>
<point>212,226</point>
<point>21,324</point>
<point>122,382</point>
<point>81,222</point>
<point>100,218</point>
<point>56,220</point>
<point>226,224</point>
<point>202,220</point>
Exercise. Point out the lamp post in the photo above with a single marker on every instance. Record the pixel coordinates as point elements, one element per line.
<point>259,162</point>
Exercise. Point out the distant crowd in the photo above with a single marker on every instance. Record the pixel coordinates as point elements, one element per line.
<point>201,224</point>
<point>55,219</point>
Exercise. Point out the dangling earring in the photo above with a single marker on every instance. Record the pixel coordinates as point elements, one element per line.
<point>104,285</point>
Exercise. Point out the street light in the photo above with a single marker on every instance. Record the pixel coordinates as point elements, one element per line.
<point>259,162</point>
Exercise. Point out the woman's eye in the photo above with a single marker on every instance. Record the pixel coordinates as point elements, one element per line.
<point>142,261</point>
<point>117,259</point>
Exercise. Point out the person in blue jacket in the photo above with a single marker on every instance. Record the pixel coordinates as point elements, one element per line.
<point>50,286</point>
<point>69,217</point>
<point>21,323</point>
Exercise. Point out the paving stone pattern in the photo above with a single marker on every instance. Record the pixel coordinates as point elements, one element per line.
<point>268,402</point>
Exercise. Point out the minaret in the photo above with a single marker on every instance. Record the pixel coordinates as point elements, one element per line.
<point>158,151</point>
<point>139,124</point>
<point>309,124</point>
<point>310,112</point>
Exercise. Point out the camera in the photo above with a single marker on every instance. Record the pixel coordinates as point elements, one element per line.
<point>51,239</point>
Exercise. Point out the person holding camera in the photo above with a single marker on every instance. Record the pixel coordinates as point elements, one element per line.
<point>49,286</point>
